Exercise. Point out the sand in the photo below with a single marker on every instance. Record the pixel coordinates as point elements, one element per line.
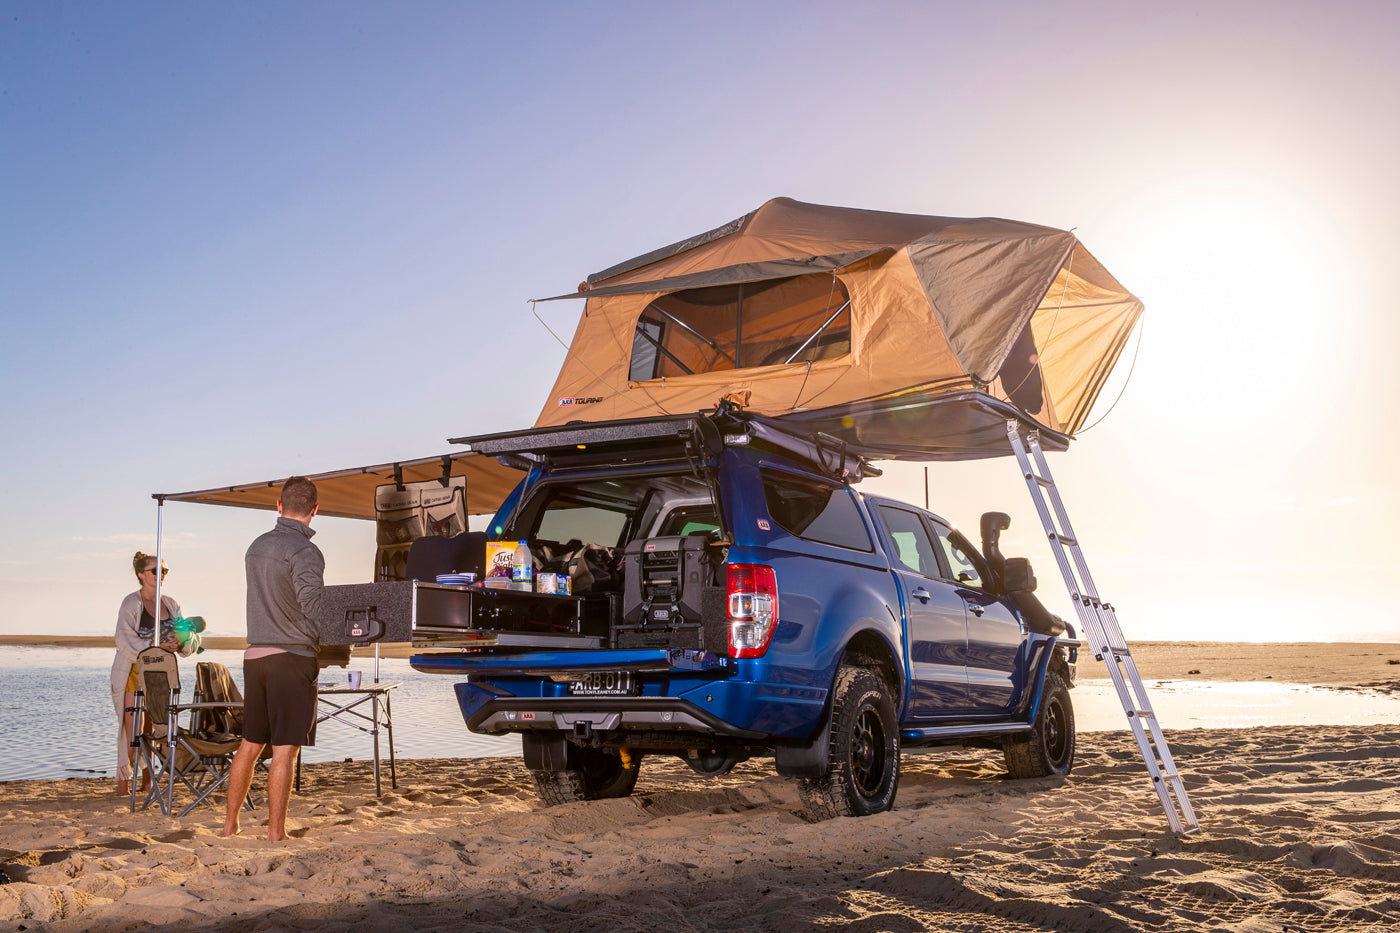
<point>1300,831</point>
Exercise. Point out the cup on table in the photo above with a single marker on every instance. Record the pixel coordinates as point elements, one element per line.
<point>354,680</point>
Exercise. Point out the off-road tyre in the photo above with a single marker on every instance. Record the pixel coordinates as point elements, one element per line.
<point>598,775</point>
<point>1050,748</point>
<point>863,752</point>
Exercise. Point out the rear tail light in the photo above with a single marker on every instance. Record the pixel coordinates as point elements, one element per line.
<point>753,609</point>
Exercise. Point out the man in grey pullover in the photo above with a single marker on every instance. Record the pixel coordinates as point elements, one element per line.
<point>285,578</point>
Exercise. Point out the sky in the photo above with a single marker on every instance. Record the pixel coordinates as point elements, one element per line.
<point>242,241</point>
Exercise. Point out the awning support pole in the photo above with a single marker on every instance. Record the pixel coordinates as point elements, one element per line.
<point>1099,625</point>
<point>160,577</point>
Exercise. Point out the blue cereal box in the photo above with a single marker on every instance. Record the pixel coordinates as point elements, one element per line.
<point>556,584</point>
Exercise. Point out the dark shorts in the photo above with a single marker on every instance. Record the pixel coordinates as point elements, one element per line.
<point>279,701</point>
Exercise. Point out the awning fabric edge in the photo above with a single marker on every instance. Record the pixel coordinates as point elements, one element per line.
<point>349,493</point>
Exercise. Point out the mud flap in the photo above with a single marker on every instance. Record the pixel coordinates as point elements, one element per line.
<point>548,751</point>
<point>809,760</point>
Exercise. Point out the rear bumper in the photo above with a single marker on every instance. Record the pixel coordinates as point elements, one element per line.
<point>492,714</point>
<point>678,691</point>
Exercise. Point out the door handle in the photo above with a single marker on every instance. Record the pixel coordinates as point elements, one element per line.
<point>974,607</point>
<point>922,595</point>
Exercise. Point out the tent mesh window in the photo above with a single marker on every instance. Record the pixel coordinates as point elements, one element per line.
<point>799,319</point>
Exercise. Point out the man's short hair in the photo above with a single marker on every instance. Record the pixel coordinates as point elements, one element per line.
<point>298,496</point>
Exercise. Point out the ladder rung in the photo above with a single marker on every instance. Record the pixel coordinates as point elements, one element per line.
<point>1044,481</point>
<point>1141,714</point>
<point>1065,540</point>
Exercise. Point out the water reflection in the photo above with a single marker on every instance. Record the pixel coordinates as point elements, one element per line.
<point>1183,704</point>
<point>56,717</point>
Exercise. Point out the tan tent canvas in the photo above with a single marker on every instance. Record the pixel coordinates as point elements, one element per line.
<point>908,336</point>
<point>350,493</point>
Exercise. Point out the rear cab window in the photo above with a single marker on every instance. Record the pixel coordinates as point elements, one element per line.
<point>913,548</point>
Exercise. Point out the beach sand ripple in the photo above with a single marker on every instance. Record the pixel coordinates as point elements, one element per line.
<point>1300,830</point>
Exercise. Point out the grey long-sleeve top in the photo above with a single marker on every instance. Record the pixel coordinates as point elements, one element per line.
<point>285,578</point>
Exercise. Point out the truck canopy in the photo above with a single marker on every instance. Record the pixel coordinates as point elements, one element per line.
<point>908,336</point>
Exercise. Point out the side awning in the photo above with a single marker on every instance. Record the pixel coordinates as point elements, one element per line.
<point>350,493</point>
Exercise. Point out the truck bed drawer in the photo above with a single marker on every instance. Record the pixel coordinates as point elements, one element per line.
<point>443,615</point>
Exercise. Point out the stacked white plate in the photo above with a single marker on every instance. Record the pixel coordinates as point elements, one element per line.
<point>457,579</point>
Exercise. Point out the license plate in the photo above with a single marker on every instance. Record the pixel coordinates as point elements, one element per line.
<point>604,684</point>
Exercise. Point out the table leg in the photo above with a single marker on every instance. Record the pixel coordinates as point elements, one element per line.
<point>389,721</point>
<point>374,704</point>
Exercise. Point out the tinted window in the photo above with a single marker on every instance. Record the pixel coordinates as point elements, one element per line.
<point>689,521</point>
<point>911,540</point>
<point>815,511</point>
<point>965,563</point>
<point>794,320</point>
<point>566,521</point>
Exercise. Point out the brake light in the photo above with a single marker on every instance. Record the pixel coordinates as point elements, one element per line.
<point>753,609</point>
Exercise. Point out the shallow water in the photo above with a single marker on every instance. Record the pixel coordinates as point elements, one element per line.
<point>56,718</point>
<point>1190,704</point>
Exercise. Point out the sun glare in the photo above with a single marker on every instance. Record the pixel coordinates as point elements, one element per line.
<point>1247,303</point>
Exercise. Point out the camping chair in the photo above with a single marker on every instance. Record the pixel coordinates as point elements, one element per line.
<point>198,756</point>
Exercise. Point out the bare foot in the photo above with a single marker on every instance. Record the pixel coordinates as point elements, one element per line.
<point>123,788</point>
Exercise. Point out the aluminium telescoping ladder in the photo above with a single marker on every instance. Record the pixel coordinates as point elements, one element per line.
<point>1100,625</point>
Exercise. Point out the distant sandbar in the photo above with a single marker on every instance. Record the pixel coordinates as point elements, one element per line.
<point>1324,663</point>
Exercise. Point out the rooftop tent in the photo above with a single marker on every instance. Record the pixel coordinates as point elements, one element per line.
<point>908,336</point>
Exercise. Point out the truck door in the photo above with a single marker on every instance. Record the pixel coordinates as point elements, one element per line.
<point>937,619</point>
<point>994,633</point>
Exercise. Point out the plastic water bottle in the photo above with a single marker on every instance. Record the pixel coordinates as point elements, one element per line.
<point>522,569</point>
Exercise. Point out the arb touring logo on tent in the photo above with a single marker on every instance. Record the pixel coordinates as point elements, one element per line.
<point>579,400</point>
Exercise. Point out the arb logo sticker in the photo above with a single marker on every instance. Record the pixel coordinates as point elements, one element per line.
<point>579,400</point>
<point>763,524</point>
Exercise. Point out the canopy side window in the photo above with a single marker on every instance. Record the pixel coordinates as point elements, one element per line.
<point>815,511</point>
<point>799,319</point>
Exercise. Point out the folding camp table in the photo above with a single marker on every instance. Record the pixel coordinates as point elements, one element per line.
<point>365,708</point>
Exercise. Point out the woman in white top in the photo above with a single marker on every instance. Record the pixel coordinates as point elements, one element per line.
<point>135,631</point>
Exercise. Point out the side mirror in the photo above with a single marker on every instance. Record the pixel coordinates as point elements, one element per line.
<point>1018,576</point>
<point>993,524</point>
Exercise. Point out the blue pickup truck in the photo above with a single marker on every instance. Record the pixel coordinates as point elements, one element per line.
<point>734,596</point>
